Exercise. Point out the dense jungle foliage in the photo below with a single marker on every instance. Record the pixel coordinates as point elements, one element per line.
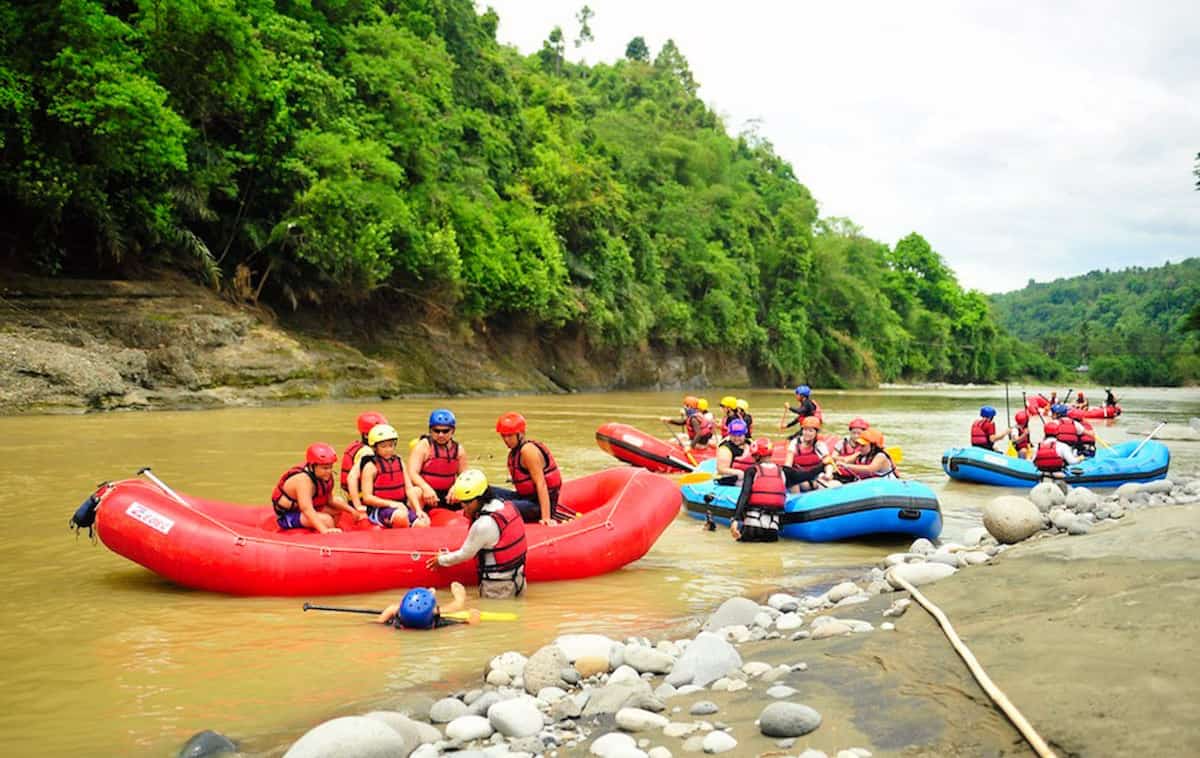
<point>1136,326</point>
<point>318,153</point>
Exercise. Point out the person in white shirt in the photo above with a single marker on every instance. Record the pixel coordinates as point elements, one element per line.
<point>496,539</point>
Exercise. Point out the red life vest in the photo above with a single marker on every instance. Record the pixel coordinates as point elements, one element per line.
<point>699,428</point>
<point>741,461</point>
<point>813,458</point>
<point>1068,432</point>
<point>982,431</point>
<point>389,477</point>
<point>348,462</point>
<point>283,502</point>
<point>1088,435</point>
<point>440,469</point>
<point>522,481</point>
<point>1047,458</point>
<point>1022,440</point>
<point>509,553</point>
<point>768,490</point>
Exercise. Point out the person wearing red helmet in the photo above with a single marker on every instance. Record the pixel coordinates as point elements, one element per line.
<point>847,447</point>
<point>1021,434</point>
<point>1081,402</point>
<point>355,452</point>
<point>761,501</point>
<point>306,490</point>
<point>534,473</point>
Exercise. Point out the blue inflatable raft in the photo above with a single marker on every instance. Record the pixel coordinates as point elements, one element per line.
<point>1111,467</point>
<point>872,506</point>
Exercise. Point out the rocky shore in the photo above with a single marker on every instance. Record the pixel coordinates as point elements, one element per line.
<point>74,346</point>
<point>1079,605</point>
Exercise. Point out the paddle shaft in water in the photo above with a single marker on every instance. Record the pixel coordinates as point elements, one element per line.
<point>339,609</point>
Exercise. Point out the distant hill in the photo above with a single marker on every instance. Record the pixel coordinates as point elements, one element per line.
<point>1134,326</point>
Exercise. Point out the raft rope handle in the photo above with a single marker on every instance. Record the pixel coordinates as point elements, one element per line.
<point>607,523</point>
<point>995,693</point>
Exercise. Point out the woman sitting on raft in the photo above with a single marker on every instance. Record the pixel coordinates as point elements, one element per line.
<point>873,462</point>
<point>808,462</point>
<point>731,454</point>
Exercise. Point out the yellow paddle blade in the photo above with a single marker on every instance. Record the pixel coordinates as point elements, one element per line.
<point>1011,452</point>
<point>895,453</point>
<point>483,615</point>
<point>695,477</point>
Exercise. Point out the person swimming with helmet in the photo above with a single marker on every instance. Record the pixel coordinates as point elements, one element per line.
<point>436,460</point>
<point>496,539</point>
<point>386,488</point>
<point>419,609</point>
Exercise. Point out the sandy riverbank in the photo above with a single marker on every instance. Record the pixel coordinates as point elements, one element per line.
<point>1089,635</point>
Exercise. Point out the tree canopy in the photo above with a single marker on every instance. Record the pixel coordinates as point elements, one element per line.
<point>312,152</point>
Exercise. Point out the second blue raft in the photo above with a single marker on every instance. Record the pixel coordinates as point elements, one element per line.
<point>1111,467</point>
<point>871,506</point>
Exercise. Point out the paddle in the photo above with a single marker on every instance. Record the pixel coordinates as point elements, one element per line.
<point>686,451</point>
<point>1158,428</point>
<point>459,615</point>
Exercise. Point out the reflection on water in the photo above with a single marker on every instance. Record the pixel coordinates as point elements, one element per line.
<point>101,657</point>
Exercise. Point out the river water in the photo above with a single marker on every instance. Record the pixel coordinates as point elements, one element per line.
<point>99,656</point>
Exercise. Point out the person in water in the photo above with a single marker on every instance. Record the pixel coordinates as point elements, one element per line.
<point>305,491</point>
<point>496,539</point>
<point>761,501</point>
<point>534,473</point>
<point>386,489</point>
<point>731,453</point>
<point>872,462</point>
<point>436,461</point>
<point>805,407</point>
<point>697,430</point>
<point>419,609</point>
<point>354,453</point>
<point>983,430</point>
<point>808,463</point>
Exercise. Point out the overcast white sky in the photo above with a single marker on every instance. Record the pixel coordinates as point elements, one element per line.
<point>1021,142</point>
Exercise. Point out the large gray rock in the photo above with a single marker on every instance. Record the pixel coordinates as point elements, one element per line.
<point>511,663</point>
<point>840,592</point>
<point>576,646</point>
<point>206,743</point>
<point>613,697</point>
<point>1161,486</point>
<point>638,720</point>
<point>544,668</point>
<point>1045,496</point>
<point>734,611</point>
<point>718,742</point>
<point>446,710</point>
<point>350,737</point>
<point>414,732</point>
<point>706,660</point>
<point>467,728</point>
<point>518,717</point>
<point>479,706</point>
<point>1011,519</point>
<point>917,574</point>
<point>1081,500</point>
<point>788,720</point>
<point>611,743</point>
<point>1128,490</point>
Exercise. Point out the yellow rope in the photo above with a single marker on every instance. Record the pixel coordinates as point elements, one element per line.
<point>995,693</point>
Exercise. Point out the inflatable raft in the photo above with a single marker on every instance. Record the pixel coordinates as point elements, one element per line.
<point>635,447</point>
<point>867,507</point>
<point>1100,411</point>
<point>237,549</point>
<point>1111,467</point>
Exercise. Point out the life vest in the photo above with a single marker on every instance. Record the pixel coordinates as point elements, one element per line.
<point>348,462</point>
<point>440,469</point>
<point>522,481</point>
<point>982,431</point>
<point>283,502</point>
<point>749,425</point>
<point>812,459</point>
<point>509,553</point>
<point>768,489</point>
<point>1087,438</point>
<point>1022,440</point>
<point>864,458</point>
<point>389,477</point>
<point>1047,458</point>
<point>740,461</point>
<point>700,429</point>
<point>1068,432</point>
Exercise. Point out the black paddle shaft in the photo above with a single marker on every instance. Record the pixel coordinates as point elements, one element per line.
<point>311,607</point>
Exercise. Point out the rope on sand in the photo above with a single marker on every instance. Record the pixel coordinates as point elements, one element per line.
<point>995,693</point>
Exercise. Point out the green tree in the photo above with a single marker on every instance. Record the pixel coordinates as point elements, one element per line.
<point>584,16</point>
<point>637,50</point>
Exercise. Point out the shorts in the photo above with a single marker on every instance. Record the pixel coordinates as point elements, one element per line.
<point>290,520</point>
<point>793,476</point>
<point>383,516</point>
<point>758,534</point>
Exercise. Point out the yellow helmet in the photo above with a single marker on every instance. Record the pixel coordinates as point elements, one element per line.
<point>469,485</point>
<point>742,404</point>
<point>729,401</point>
<point>381,433</point>
<point>702,404</point>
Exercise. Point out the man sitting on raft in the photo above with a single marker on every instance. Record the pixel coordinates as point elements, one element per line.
<point>306,490</point>
<point>534,473</point>
<point>419,609</point>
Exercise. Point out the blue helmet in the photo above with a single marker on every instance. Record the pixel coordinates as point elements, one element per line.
<point>417,609</point>
<point>804,390</point>
<point>737,426</point>
<point>987,411</point>
<point>1058,409</point>
<point>442,417</point>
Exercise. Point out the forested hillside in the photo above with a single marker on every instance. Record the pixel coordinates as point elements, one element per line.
<point>393,157</point>
<point>1135,326</point>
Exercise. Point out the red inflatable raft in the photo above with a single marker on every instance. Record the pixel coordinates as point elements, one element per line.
<point>223,547</point>
<point>1102,411</point>
<point>635,447</point>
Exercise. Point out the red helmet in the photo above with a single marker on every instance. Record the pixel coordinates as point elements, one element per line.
<point>762,447</point>
<point>368,420</point>
<point>1079,395</point>
<point>859,423</point>
<point>1022,418</point>
<point>511,423</point>
<point>319,453</point>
